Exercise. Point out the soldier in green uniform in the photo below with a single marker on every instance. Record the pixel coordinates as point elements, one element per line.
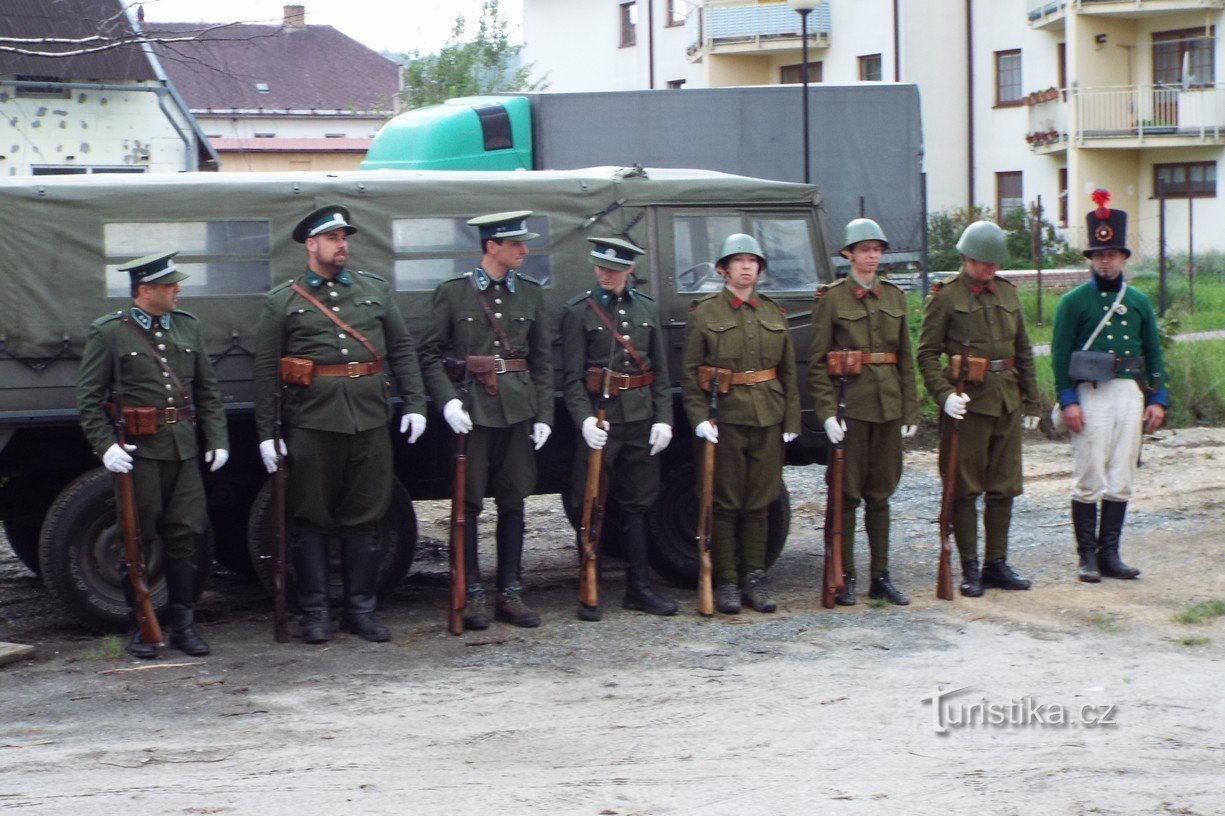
<point>865,313</point>
<point>152,355</point>
<point>614,328</point>
<point>745,334</point>
<point>490,323</point>
<point>980,315</point>
<point>1105,410</point>
<point>331,340</point>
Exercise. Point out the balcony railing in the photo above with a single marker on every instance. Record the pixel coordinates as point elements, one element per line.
<point>739,23</point>
<point>1194,113</point>
<point>1041,11</point>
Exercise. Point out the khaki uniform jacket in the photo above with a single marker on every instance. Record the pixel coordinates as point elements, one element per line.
<point>994,323</point>
<point>461,328</point>
<point>847,316</point>
<point>741,338</point>
<point>145,385</point>
<point>586,342</point>
<point>290,326</point>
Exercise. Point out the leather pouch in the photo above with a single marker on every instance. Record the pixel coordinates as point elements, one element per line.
<point>1091,366</point>
<point>297,370</point>
<point>706,374</point>
<point>976,371</point>
<point>847,363</point>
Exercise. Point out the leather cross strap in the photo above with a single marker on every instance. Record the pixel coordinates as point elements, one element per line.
<point>345,327</point>
<point>511,351</point>
<point>350,370</point>
<point>621,338</point>
<point>165,368</point>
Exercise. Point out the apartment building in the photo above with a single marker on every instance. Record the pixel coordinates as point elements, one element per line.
<point>1022,99</point>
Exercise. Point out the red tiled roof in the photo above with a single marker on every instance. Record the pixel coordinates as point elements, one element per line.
<point>72,19</point>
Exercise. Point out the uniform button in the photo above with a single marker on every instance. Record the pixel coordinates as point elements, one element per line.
<point>167,386</point>
<point>161,346</point>
<point>333,293</point>
<point>169,400</point>
<point>1105,308</point>
<point>1125,337</point>
<point>331,283</point>
<point>497,342</point>
<point>157,334</point>
<point>1110,337</point>
<point>621,311</point>
<point>497,301</point>
<point>498,315</point>
<point>1124,322</point>
<point>342,335</point>
<point>625,337</point>
<point>165,373</point>
<point>344,351</point>
<point>335,308</point>
<point>625,323</point>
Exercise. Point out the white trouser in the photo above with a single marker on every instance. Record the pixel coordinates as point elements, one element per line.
<point>1104,453</point>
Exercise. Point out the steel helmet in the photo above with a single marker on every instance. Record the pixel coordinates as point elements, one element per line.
<point>863,229</point>
<point>738,243</point>
<point>983,241</point>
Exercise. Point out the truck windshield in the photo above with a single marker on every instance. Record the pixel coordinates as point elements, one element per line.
<point>786,240</point>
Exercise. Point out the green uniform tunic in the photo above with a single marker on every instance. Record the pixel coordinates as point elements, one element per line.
<point>166,475</point>
<point>879,400</point>
<point>586,341</point>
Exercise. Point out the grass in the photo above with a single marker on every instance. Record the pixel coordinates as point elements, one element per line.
<point>1195,640</point>
<point>109,648</point>
<point>1104,621</point>
<point>1202,612</point>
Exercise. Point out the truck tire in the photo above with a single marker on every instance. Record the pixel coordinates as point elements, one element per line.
<point>22,535</point>
<point>397,540</point>
<point>79,551</point>
<point>673,527</point>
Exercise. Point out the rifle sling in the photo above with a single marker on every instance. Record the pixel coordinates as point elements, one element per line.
<point>345,327</point>
<point>623,339</point>
<point>160,361</point>
<point>511,351</point>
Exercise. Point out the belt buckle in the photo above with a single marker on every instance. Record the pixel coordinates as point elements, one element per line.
<point>354,368</point>
<point>171,415</point>
<point>750,377</point>
<point>499,365</point>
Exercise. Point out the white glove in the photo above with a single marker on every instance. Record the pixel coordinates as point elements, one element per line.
<point>595,436</point>
<point>790,437</point>
<point>661,437</point>
<point>835,430</point>
<point>218,456</point>
<point>268,452</point>
<point>415,422</point>
<point>1029,422</point>
<point>117,459</point>
<point>707,431</point>
<point>908,431</point>
<point>541,433</point>
<point>455,415</point>
<point>955,405</point>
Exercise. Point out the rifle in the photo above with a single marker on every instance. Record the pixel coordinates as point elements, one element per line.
<point>459,524</point>
<point>133,546</point>
<point>944,571</point>
<point>831,580</point>
<point>706,594</point>
<point>594,496</point>
<point>280,630</point>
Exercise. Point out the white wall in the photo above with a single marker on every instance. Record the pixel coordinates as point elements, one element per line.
<point>288,127</point>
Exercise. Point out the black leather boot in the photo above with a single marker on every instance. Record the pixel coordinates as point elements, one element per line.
<point>1084,524</point>
<point>997,574</point>
<point>510,606</point>
<point>882,587</point>
<point>360,562</point>
<point>846,595</point>
<point>971,578</point>
<point>181,591</point>
<point>310,566</point>
<point>638,592</point>
<point>136,647</point>
<point>757,592</point>
<point>1108,560</point>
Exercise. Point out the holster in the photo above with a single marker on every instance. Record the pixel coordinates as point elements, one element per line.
<point>484,370</point>
<point>976,371</point>
<point>297,370</point>
<point>137,420</point>
<point>847,363</point>
<point>706,374</point>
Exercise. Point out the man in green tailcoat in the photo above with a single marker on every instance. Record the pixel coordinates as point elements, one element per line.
<point>490,332</point>
<point>332,340</point>
<point>151,355</point>
<point>979,315</point>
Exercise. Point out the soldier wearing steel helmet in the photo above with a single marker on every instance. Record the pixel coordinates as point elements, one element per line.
<point>745,334</point>
<point>980,315</point>
<point>865,313</point>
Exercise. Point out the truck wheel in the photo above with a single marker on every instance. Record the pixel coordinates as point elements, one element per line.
<point>397,541</point>
<point>80,548</point>
<point>22,535</point>
<point>673,525</point>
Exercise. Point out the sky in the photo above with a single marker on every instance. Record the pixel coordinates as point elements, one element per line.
<point>395,25</point>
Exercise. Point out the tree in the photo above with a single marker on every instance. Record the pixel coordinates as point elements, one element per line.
<point>486,64</point>
<point>946,226</point>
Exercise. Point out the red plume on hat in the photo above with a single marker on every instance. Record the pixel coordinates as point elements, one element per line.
<point>1101,197</point>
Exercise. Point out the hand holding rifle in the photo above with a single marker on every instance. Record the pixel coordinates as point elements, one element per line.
<point>955,407</point>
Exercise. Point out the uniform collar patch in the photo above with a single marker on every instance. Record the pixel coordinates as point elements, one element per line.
<point>483,281</point>
<point>606,297</point>
<point>315,281</point>
<point>147,320</point>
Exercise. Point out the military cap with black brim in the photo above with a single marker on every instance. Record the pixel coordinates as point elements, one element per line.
<point>508,226</point>
<point>324,219</point>
<point>614,253</point>
<point>155,268</point>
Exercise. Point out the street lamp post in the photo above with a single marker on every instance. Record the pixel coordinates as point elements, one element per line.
<point>804,7</point>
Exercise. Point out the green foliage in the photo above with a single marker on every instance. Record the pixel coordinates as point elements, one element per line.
<point>1203,612</point>
<point>946,226</point>
<point>468,68</point>
<point>1195,376</point>
<point>1198,303</point>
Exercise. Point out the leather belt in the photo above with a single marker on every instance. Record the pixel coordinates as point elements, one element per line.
<point>621,382</point>
<point>169,416</point>
<point>1129,364</point>
<point>727,377</point>
<point>1002,365</point>
<point>500,364</point>
<point>880,358</point>
<point>352,370</point>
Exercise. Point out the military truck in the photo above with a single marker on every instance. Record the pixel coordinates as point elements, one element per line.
<point>64,238</point>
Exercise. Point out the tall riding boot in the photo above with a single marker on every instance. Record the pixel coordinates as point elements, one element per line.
<point>476,612</point>
<point>997,519</point>
<point>1112,566</point>
<point>136,647</point>
<point>310,566</point>
<point>965,533</point>
<point>510,606</point>
<point>724,562</point>
<point>359,557</point>
<point>1084,524</point>
<point>876,523</point>
<point>181,592</point>
<point>638,592</point>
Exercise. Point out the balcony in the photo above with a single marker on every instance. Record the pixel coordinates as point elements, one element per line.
<point>740,27</point>
<point>1045,14</point>
<point>1128,116</point>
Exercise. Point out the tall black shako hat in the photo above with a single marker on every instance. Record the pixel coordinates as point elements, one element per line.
<point>324,219</point>
<point>1107,227</point>
<point>156,268</point>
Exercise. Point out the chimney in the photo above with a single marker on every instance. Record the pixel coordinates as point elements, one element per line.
<point>295,17</point>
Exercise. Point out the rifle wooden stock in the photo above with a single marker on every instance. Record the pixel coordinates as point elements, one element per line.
<point>944,570</point>
<point>831,580</point>
<point>146,618</point>
<point>706,592</point>
<point>459,523</point>
<point>592,520</point>
<point>280,629</point>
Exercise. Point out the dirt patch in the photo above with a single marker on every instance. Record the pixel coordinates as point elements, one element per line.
<point>803,711</point>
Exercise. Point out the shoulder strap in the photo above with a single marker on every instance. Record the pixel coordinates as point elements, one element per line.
<point>511,351</point>
<point>1106,318</point>
<point>158,358</point>
<point>621,338</point>
<point>330,315</point>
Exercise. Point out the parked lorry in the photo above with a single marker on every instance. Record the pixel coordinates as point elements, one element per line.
<point>865,141</point>
<point>65,236</point>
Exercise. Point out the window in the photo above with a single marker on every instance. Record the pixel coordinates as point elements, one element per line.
<point>1063,196</point>
<point>869,68</point>
<point>1061,59</point>
<point>1008,195</point>
<point>794,74</point>
<point>786,240</point>
<point>222,257</point>
<point>675,14</point>
<point>78,170</point>
<point>430,250</point>
<point>676,84</point>
<point>48,91</point>
<point>1185,180</point>
<point>1008,78</point>
<point>629,24</point>
<point>1184,57</point>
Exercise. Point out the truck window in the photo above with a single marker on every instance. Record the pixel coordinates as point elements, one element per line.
<point>223,258</point>
<point>430,250</point>
<point>697,243</point>
<point>791,264</point>
<point>786,241</point>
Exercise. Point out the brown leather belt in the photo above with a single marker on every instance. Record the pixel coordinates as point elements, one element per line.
<point>1002,365</point>
<point>620,382</point>
<point>142,420</point>
<point>728,378</point>
<point>353,370</point>
<point>880,358</point>
<point>498,365</point>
